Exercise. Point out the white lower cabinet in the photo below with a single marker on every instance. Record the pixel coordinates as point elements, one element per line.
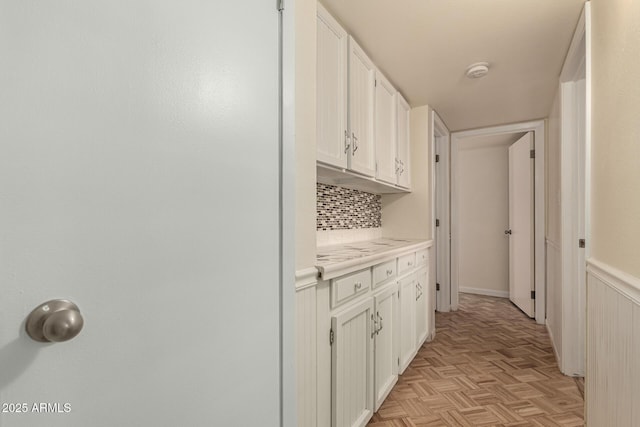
<point>352,365</point>
<point>407,297</point>
<point>385,348</point>
<point>376,323</point>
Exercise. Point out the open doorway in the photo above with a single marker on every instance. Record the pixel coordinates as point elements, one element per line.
<point>488,226</point>
<point>440,204</point>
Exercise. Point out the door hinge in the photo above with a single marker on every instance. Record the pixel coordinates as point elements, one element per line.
<point>582,243</point>
<point>532,154</point>
<point>437,286</point>
<point>437,223</point>
<point>280,5</point>
<point>331,336</point>
<point>437,158</point>
<point>533,294</point>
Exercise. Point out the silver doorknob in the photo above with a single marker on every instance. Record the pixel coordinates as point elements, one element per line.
<point>54,321</point>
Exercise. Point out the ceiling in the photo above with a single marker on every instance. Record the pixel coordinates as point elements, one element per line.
<point>425,46</point>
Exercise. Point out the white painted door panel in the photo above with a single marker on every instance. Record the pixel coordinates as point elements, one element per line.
<point>361,110</point>
<point>422,296</point>
<point>352,366</point>
<point>331,90</point>
<point>521,255</point>
<point>407,299</point>
<point>386,349</point>
<point>385,138</point>
<point>122,125</point>
<point>404,149</point>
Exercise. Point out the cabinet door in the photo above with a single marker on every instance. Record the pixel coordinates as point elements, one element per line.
<point>404,150</point>
<point>352,366</point>
<point>361,108</point>
<point>407,334</point>
<point>385,348</point>
<point>386,134</point>
<point>331,90</point>
<point>422,312</point>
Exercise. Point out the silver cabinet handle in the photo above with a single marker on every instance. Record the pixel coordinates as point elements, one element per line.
<point>354,142</point>
<point>347,145</point>
<point>54,321</point>
<point>374,330</point>
<point>507,231</point>
<point>380,328</point>
<point>409,263</point>
<point>357,285</point>
<point>389,272</point>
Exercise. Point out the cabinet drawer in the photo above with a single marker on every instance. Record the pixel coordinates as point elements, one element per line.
<point>384,271</point>
<point>422,257</point>
<point>406,262</point>
<point>346,287</point>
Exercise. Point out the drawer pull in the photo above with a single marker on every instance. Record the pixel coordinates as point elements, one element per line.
<point>409,263</point>
<point>389,272</point>
<point>357,286</point>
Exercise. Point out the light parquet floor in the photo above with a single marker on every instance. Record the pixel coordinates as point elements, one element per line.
<point>489,365</point>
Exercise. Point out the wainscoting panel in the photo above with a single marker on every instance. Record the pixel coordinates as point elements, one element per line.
<point>555,302</point>
<point>306,376</point>
<point>613,347</point>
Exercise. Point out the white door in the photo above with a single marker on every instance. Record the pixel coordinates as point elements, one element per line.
<point>136,141</point>
<point>404,146</point>
<point>407,297</point>
<point>361,110</point>
<point>386,141</point>
<point>352,366</point>
<point>331,90</point>
<point>521,225</point>
<point>422,297</point>
<point>386,349</point>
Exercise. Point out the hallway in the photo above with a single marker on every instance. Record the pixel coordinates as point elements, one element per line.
<point>489,365</point>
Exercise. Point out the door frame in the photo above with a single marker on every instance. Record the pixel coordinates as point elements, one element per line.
<point>538,129</point>
<point>440,210</point>
<point>287,142</point>
<point>575,163</point>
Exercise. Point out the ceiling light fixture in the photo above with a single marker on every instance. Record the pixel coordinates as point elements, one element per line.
<point>477,70</point>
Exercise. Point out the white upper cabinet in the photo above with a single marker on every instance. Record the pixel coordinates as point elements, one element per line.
<point>331,129</point>
<point>361,110</point>
<point>386,136</point>
<point>362,127</point>
<point>404,154</point>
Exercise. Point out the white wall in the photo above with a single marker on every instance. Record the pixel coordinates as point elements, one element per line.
<point>613,319</point>
<point>483,214</point>
<point>616,134</point>
<point>409,215</point>
<point>553,236</point>
<point>305,128</point>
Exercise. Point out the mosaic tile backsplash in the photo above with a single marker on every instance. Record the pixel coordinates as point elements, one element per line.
<point>340,208</point>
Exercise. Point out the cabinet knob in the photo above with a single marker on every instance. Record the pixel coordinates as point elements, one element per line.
<point>54,321</point>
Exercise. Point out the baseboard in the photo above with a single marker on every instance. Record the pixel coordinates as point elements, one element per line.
<point>553,345</point>
<point>487,292</point>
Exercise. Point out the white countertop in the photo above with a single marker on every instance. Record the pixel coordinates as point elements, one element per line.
<point>333,261</point>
